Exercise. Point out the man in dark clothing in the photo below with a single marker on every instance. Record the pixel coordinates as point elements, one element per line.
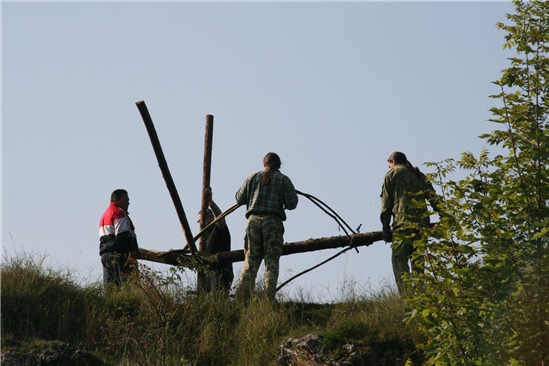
<point>117,240</point>
<point>218,239</point>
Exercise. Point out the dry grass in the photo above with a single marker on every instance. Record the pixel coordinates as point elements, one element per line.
<point>155,319</point>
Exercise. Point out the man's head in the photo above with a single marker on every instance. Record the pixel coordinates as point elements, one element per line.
<point>272,161</point>
<point>396,158</point>
<point>120,198</point>
<point>210,217</point>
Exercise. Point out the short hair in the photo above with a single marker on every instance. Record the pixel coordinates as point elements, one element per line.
<point>117,194</point>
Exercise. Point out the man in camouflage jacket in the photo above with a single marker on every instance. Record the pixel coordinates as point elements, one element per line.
<point>401,186</point>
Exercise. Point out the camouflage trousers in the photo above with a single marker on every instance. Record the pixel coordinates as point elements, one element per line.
<point>264,239</point>
<point>402,251</point>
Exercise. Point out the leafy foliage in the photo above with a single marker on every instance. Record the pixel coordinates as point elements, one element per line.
<point>484,297</point>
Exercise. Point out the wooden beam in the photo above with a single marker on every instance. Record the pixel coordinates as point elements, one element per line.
<point>162,163</point>
<point>206,174</point>
<point>174,257</point>
<point>203,282</point>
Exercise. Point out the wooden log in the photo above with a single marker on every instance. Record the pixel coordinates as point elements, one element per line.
<point>206,174</point>
<point>162,163</point>
<point>174,257</point>
<point>203,280</point>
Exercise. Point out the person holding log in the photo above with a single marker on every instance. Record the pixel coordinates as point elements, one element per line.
<point>266,194</point>
<point>218,239</point>
<point>117,240</point>
<point>402,184</point>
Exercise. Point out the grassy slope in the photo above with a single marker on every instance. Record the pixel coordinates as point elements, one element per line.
<point>154,319</point>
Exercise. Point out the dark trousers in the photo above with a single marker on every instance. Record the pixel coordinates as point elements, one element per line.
<point>115,267</point>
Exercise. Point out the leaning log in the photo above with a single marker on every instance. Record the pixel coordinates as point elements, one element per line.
<point>162,163</point>
<point>175,257</point>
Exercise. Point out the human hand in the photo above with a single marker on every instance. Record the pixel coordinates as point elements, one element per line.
<point>132,256</point>
<point>387,235</point>
<point>208,191</point>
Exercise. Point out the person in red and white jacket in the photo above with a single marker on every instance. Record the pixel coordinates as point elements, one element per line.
<point>117,239</point>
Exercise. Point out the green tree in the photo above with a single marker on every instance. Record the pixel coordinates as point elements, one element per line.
<point>484,298</point>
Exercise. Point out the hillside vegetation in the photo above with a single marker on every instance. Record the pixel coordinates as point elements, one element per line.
<point>482,299</point>
<point>155,320</point>
<point>484,296</point>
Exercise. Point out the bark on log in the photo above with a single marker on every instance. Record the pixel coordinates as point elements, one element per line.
<point>206,175</point>
<point>203,281</point>
<point>163,164</point>
<point>174,257</point>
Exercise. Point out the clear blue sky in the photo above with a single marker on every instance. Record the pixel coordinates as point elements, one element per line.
<point>333,88</point>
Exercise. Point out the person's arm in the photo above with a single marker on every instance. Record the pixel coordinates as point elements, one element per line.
<point>290,195</point>
<point>122,232</point>
<point>386,210</point>
<point>431,195</point>
<point>386,203</point>
<point>216,211</point>
<point>132,254</point>
<point>241,195</point>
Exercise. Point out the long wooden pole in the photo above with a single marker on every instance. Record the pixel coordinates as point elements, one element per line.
<point>162,163</point>
<point>202,279</point>
<point>311,245</point>
<point>206,175</point>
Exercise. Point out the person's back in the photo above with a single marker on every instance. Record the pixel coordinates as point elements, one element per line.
<point>218,239</point>
<point>273,198</point>
<point>266,194</point>
<point>400,187</point>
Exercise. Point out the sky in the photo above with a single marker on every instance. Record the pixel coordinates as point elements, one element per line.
<point>334,88</point>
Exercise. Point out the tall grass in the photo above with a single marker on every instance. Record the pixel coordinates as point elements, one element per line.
<point>41,302</point>
<point>155,319</point>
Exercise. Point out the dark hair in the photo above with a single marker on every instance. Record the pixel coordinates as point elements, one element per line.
<point>117,194</point>
<point>271,162</point>
<point>209,213</point>
<point>400,158</point>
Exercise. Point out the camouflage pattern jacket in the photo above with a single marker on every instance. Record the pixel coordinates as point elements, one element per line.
<point>400,187</point>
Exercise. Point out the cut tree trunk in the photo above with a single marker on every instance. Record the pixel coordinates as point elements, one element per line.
<point>178,256</point>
